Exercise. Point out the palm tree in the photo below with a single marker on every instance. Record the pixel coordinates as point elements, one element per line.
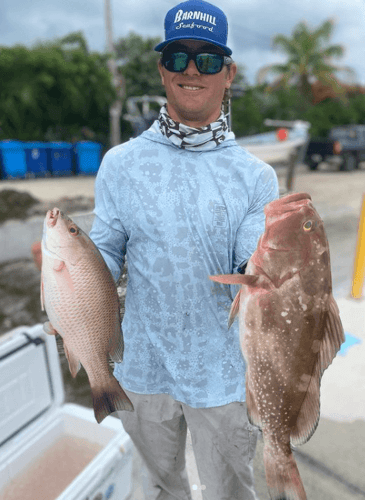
<point>309,59</point>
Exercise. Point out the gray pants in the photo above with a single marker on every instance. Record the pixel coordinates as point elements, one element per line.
<point>223,441</point>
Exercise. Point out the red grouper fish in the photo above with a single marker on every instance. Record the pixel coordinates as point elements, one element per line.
<point>81,300</point>
<point>290,331</point>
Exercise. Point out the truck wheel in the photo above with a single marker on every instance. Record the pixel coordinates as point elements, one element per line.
<point>349,162</point>
<point>313,165</point>
<point>357,156</point>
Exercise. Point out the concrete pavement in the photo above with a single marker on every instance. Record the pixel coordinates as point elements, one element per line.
<point>343,383</point>
<point>332,462</point>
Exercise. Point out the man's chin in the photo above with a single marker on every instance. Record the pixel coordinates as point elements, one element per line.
<point>194,117</point>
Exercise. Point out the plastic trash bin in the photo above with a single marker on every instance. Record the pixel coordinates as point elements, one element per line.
<point>13,159</point>
<point>61,158</point>
<point>36,154</point>
<point>88,157</point>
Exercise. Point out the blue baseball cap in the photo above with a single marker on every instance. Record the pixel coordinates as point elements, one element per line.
<point>196,20</point>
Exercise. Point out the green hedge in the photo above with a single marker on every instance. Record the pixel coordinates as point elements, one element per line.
<point>250,111</point>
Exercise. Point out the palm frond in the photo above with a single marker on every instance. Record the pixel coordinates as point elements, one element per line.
<point>334,70</point>
<point>324,31</point>
<point>262,73</point>
<point>308,57</point>
<point>348,73</point>
<point>283,44</point>
<point>301,30</point>
<point>274,69</point>
<point>285,75</point>
<point>333,51</point>
<point>331,81</point>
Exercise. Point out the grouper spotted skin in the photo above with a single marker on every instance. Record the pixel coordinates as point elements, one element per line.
<point>81,300</point>
<point>290,331</point>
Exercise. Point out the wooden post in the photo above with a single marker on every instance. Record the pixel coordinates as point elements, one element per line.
<point>359,265</point>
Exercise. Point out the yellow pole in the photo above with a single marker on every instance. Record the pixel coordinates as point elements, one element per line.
<point>359,266</point>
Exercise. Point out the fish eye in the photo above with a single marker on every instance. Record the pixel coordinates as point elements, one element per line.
<point>307,226</point>
<point>73,230</point>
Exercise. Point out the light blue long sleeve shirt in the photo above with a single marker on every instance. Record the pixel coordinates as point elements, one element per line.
<point>179,216</point>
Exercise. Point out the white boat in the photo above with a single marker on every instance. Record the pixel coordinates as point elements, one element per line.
<point>274,147</point>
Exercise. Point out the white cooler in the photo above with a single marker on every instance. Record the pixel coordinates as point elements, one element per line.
<point>50,450</point>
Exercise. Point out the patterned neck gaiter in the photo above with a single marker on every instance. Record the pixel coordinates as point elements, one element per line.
<point>193,139</point>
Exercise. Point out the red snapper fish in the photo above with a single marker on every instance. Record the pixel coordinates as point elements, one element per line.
<point>81,300</point>
<point>290,332</point>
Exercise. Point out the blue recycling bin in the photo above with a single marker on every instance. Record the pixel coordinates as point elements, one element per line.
<point>14,165</point>
<point>88,157</point>
<point>36,154</point>
<point>61,158</point>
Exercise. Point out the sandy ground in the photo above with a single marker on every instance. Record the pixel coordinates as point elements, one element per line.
<point>50,189</point>
<point>327,187</point>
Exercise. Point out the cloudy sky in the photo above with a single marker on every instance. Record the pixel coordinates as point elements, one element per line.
<point>252,24</point>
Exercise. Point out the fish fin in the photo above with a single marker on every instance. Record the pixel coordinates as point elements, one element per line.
<point>73,361</point>
<point>235,279</point>
<point>116,354</point>
<point>109,398</point>
<point>333,335</point>
<point>309,414</point>
<point>116,341</point>
<point>48,328</point>
<point>235,307</point>
<point>58,265</point>
<point>42,293</point>
<point>282,475</point>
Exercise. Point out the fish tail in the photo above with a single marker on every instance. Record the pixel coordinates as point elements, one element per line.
<point>282,476</point>
<point>108,398</point>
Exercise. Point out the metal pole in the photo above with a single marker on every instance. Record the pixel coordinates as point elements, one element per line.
<point>116,108</point>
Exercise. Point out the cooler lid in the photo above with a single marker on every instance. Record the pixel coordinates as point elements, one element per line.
<point>30,378</point>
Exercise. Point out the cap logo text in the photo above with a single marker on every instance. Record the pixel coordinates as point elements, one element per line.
<point>200,16</point>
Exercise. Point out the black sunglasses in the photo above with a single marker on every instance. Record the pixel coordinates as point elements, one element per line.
<point>207,63</point>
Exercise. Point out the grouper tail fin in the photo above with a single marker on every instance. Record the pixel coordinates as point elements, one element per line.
<point>282,477</point>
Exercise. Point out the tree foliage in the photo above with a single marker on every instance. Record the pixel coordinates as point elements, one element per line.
<point>137,63</point>
<point>61,91</point>
<point>331,112</point>
<point>54,91</point>
<point>257,104</point>
<point>309,58</point>
<point>290,96</point>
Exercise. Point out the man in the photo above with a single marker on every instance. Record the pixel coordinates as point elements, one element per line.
<point>183,201</point>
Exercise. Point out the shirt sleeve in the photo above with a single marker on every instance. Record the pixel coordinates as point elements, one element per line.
<point>107,231</point>
<point>253,224</point>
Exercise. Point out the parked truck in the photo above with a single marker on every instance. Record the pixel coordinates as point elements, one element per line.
<point>345,145</point>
